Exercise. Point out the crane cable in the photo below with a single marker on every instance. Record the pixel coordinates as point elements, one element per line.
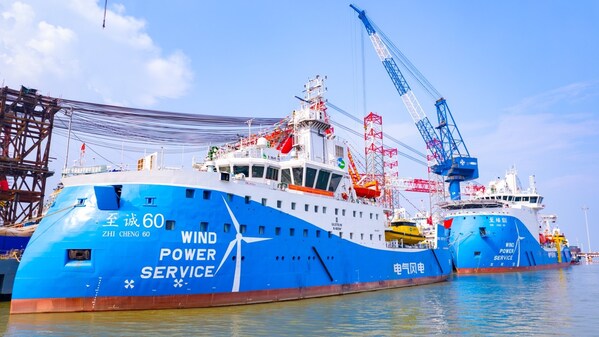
<point>105,6</point>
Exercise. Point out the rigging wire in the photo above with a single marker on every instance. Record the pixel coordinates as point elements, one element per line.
<point>107,126</point>
<point>105,6</point>
<point>152,126</point>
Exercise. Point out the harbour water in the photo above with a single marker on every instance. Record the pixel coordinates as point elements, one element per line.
<point>543,303</point>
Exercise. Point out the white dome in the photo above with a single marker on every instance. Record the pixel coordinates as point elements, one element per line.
<point>262,142</point>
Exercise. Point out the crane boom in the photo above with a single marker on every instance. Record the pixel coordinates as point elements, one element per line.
<point>447,146</point>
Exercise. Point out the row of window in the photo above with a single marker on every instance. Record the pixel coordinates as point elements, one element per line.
<point>278,231</point>
<point>294,258</point>
<point>189,193</point>
<point>310,177</point>
<point>532,200</point>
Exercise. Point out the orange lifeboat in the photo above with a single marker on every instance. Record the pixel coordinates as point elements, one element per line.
<point>368,190</point>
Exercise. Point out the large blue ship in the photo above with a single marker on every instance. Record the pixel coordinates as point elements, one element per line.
<point>12,243</point>
<point>272,217</point>
<point>500,230</point>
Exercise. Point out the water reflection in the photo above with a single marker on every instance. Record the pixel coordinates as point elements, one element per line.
<point>549,303</point>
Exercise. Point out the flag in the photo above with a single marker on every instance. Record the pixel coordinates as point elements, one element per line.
<point>447,223</point>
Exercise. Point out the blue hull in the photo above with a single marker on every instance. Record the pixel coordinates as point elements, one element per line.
<point>168,246</point>
<point>489,243</point>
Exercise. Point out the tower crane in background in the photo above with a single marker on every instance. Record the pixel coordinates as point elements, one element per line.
<point>446,145</point>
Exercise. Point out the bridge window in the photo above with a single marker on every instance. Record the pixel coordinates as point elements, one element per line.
<point>241,169</point>
<point>206,195</point>
<point>286,176</point>
<point>298,175</point>
<point>257,171</point>
<point>335,180</point>
<point>189,193</point>
<point>310,176</point>
<point>533,200</point>
<point>323,180</point>
<point>248,199</point>
<point>272,173</point>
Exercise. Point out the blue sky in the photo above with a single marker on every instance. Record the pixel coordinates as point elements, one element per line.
<point>521,77</point>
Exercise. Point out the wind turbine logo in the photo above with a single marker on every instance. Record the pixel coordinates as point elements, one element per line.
<point>518,244</point>
<point>236,242</point>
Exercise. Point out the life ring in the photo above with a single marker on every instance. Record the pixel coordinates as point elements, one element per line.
<point>344,196</point>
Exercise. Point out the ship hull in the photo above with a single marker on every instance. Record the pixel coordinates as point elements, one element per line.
<point>500,243</point>
<point>198,241</point>
<point>116,303</point>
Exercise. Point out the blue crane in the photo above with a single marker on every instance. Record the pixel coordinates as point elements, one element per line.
<point>446,145</point>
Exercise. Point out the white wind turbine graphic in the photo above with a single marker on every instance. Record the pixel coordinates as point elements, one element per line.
<point>237,241</point>
<point>518,243</point>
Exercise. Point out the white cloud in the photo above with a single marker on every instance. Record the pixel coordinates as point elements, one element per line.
<point>543,132</point>
<point>60,48</point>
<point>570,93</point>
